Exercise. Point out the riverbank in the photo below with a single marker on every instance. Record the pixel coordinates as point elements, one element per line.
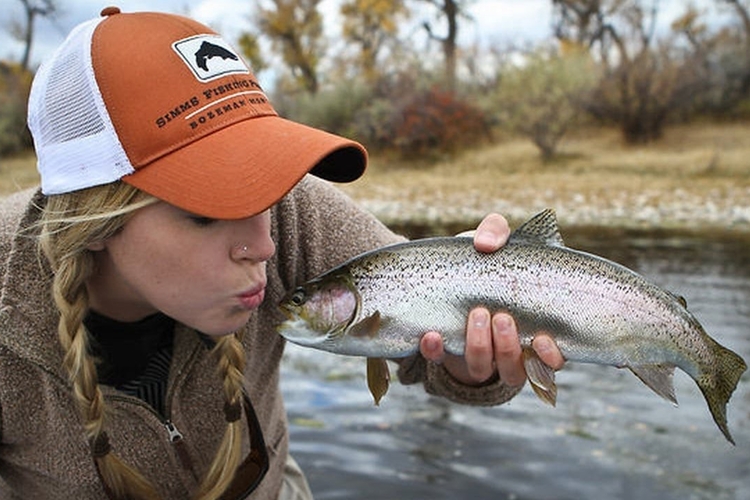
<point>696,179</point>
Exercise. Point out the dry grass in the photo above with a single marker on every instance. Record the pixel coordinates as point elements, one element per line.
<point>696,175</point>
<point>17,173</point>
<point>699,175</point>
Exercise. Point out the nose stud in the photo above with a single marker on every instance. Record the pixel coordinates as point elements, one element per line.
<point>241,251</point>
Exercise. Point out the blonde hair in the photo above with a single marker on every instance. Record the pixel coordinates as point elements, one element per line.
<point>69,224</point>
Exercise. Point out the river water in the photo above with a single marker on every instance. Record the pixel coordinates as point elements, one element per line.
<point>610,437</point>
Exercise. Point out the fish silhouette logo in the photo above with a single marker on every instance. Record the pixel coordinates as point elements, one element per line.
<point>209,57</point>
<point>209,50</point>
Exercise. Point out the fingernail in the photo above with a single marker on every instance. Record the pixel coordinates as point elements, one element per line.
<point>480,318</point>
<point>542,345</point>
<point>501,323</point>
<point>432,344</point>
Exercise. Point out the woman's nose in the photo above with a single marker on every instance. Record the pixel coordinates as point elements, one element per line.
<point>258,250</point>
<point>254,240</point>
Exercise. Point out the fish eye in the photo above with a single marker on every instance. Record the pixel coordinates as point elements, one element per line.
<point>298,297</point>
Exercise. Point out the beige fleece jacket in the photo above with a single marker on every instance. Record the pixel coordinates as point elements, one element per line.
<point>43,450</point>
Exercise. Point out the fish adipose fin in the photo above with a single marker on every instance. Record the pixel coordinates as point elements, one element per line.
<point>658,378</point>
<point>541,376</point>
<point>378,378</point>
<point>679,298</point>
<point>541,229</point>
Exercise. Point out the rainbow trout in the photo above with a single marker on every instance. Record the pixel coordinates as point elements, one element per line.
<point>380,303</point>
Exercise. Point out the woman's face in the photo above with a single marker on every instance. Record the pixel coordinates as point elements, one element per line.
<point>208,274</point>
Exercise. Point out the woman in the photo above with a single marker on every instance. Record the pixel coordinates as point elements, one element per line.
<point>138,357</point>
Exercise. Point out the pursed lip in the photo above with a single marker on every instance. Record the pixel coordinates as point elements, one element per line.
<point>253,297</point>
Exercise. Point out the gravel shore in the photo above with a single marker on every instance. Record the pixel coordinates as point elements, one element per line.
<point>725,209</point>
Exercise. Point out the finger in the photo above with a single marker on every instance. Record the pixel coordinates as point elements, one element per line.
<point>431,347</point>
<point>479,351</point>
<point>491,234</point>
<point>548,351</point>
<point>507,350</point>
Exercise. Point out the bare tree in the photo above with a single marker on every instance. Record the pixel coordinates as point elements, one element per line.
<point>451,10</point>
<point>743,13</point>
<point>585,23</point>
<point>646,78</point>
<point>742,10</point>
<point>24,30</point>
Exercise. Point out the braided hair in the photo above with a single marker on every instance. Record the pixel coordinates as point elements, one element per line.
<point>70,223</point>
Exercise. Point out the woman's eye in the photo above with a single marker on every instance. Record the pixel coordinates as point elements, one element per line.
<point>202,221</point>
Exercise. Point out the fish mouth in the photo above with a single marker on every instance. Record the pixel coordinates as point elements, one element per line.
<point>292,317</point>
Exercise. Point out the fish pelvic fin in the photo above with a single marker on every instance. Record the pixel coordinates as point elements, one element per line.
<point>719,382</point>
<point>378,378</point>
<point>541,376</point>
<point>659,378</point>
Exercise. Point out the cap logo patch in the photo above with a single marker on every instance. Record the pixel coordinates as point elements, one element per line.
<point>209,57</point>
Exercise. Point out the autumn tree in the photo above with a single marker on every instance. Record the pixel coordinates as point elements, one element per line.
<point>295,29</point>
<point>250,47</point>
<point>370,25</point>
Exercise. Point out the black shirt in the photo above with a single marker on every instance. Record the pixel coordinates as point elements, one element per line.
<point>133,357</point>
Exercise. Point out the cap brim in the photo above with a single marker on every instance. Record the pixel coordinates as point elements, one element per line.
<point>244,169</point>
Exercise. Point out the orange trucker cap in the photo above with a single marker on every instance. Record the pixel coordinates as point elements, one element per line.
<point>165,104</point>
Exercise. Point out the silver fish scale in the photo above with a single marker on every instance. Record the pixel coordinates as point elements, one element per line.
<point>594,307</point>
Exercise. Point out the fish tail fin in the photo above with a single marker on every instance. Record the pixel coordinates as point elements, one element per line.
<point>718,383</point>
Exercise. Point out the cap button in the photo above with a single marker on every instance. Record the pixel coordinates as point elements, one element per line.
<point>110,11</point>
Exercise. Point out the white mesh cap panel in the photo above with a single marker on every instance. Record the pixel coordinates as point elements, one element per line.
<point>76,144</point>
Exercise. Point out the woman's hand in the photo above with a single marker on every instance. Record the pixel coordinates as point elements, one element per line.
<point>492,343</point>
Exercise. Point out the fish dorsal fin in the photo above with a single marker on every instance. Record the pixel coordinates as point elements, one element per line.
<point>541,229</point>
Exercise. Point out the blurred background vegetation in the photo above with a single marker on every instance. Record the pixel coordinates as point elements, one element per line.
<point>604,64</point>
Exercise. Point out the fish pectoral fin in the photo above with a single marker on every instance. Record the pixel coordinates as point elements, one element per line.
<point>658,378</point>
<point>378,378</point>
<point>368,327</point>
<point>541,376</point>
